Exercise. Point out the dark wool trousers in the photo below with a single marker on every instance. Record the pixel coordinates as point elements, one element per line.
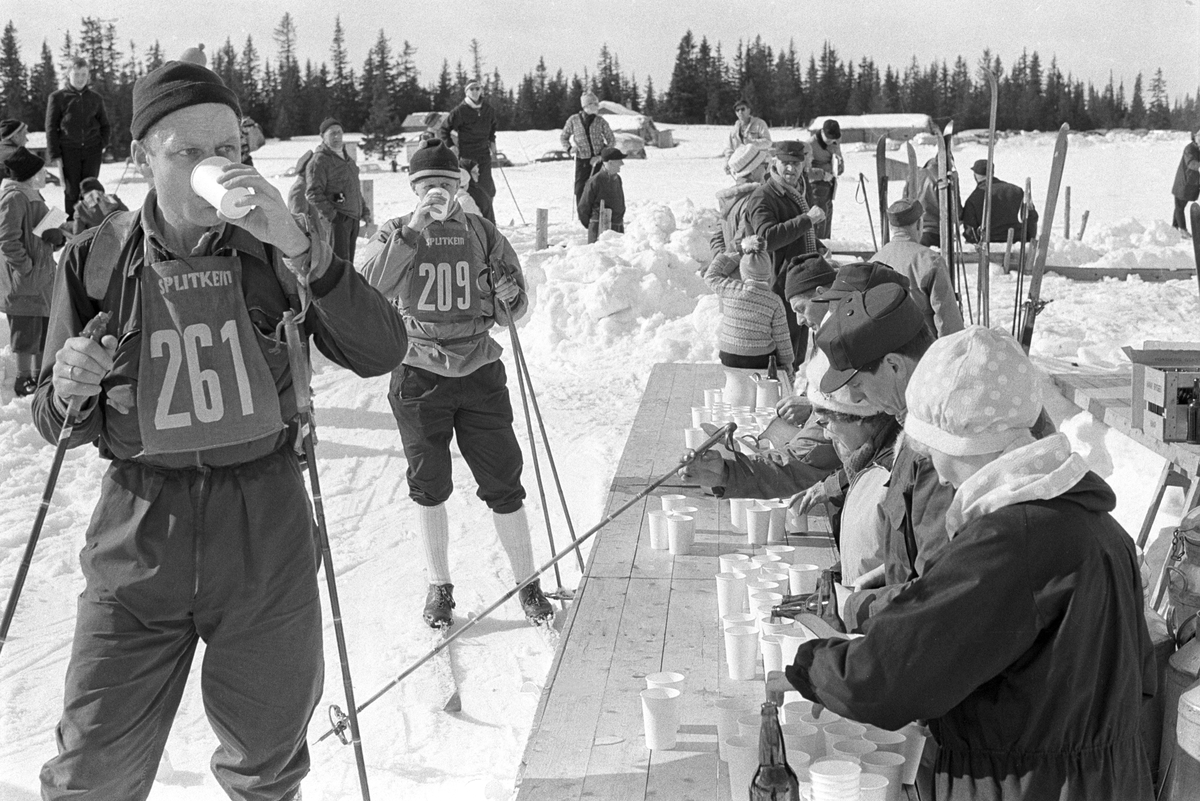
<point>583,171</point>
<point>483,191</point>
<point>171,557</point>
<point>430,409</point>
<point>77,163</point>
<point>345,236</point>
<point>1180,218</point>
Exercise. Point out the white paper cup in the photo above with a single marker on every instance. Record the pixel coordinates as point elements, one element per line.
<point>889,765</point>
<point>779,627</point>
<point>442,210</point>
<point>731,594</point>
<point>669,502</point>
<point>766,561</point>
<point>873,787</point>
<point>728,712</point>
<point>737,619</point>
<point>778,531</point>
<point>741,652</point>
<point>842,730</point>
<point>834,779</point>
<point>750,725</point>
<point>786,553</point>
<point>660,717</point>
<point>742,753</point>
<point>700,415</point>
<point>658,528</point>
<point>761,603</point>
<point>802,579</point>
<point>666,678</point>
<point>791,642</point>
<point>852,749</point>
<point>693,437</point>
<point>758,524</point>
<point>681,532</point>
<point>769,644</point>
<point>791,711</point>
<point>692,511</point>
<point>767,393</point>
<point>914,746</point>
<point>886,740</point>
<point>764,584</point>
<point>205,183</point>
<point>737,512</point>
<point>712,397</point>
<point>801,739</point>
<point>733,561</point>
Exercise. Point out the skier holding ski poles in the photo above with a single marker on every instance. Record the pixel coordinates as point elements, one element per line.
<point>455,277</point>
<point>203,529</point>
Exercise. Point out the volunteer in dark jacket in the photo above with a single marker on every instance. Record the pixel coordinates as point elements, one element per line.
<point>604,187</point>
<point>333,189</point>
<point>203,529</point>
<point>778,212</point>
<point>1024,645</point>
<point>1007,201</point>
<point>76,132</point>
<point>1187,183</point>
<point>474,120</point>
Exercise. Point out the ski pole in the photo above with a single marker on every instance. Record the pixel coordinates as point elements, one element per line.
<point>128,161</point>
<point>724,432</point>
<point>504,175</point>
<point>537,468</point>
<point>300,383</point>
<point>862,194</point>
<point>93,331</point>
<point>537,410</point>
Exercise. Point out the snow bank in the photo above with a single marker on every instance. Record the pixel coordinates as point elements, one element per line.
<point>1127,243</point>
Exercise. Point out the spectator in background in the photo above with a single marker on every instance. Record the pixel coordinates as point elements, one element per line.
<point>252,139</point>
<point>195,55</point>
<point>590,134</point>
<point>1187,183</point>
<point>13,134</point>
<point>333,189</point>
<point>823,174</point>
<point>76,132</point>
<point>604,186</point>
<point>927,194</point>
<point>475,122</point>
<point>27,275</point>
<point>748,130</point>
<point>748,165</point>
<point>1007,200</point>
<point>468,172</point>
<point>926,270</point>
<point>95,205</point>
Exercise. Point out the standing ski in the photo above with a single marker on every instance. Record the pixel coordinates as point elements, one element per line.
<point>943,199</point>
<point>1034,303</point>
<point>1194,214</point>
<point>1026,204</point>
<point>445,683</point>
<point>882,177</point>
<point>913,185</point>
<point>985,236</point>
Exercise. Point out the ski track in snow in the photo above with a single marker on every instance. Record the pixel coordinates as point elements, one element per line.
<point>601,317</point>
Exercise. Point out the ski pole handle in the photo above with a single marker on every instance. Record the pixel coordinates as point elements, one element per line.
<point>94,330</point>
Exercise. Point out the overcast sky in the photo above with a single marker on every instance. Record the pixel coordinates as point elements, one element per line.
<point>1089,37</point>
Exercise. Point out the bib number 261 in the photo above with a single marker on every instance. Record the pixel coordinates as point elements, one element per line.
<point>208,402</point>
<point>445,288</point>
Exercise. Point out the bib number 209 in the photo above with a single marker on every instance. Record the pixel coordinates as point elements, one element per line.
<point>208,402</point>
<point>446,288</point>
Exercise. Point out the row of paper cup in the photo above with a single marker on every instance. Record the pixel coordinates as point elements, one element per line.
<point>762,521</point>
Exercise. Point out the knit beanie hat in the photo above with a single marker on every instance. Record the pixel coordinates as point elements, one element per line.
<point>432,160</point>
<point>839,400</point>
<point>328,123</point>
<point>88,184</point>
<point>174,86</point>
<point>195,55</point>
<point>973,392</point>
<point>806,273</point>
<point>831,129</point>
<point>757,266</point>
<point>746,159</point>
<point>587,98</point>
<point>10,127</point>
<point>22,164</point>
<point>905,212</point>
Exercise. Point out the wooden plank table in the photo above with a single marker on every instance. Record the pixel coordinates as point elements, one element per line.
<point>639,611</point>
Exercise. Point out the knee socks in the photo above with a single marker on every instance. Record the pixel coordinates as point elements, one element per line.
<point>435,534</point>
<point>513,530</point>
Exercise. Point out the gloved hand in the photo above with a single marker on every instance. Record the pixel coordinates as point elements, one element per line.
<point>55,237</point>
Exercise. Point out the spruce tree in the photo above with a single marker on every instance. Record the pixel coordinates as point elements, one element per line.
<point>14,78</point>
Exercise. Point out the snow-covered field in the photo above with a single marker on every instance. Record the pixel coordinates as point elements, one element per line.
<point>602,316</point>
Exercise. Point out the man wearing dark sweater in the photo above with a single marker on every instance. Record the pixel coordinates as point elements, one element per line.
<point>475,121</point>
<point>76,132</point>
<point>1007,200</point>
<point>605,185</point>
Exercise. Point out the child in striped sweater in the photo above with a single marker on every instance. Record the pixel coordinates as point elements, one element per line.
<point>753,319</point>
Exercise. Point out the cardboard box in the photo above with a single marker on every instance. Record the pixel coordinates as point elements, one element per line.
<point>1164,375</point>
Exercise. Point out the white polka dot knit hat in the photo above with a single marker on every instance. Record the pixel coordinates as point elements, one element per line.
<point>972,393</point>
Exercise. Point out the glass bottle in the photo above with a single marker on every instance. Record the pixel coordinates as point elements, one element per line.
<point>774,780</point>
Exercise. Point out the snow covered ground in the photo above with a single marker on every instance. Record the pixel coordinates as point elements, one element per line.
<point>602,316</point>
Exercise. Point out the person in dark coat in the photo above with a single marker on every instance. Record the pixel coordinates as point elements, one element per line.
<point>1024,646</point>
<point>1187,183</point>
<point>203,529</point>
<point>748,166</point>
<point>95,205</point>
<point>604,186</point>
<point>13,134</point>
<point>586,134</point>
<point>333,189</point>
<point>1007,200</point>
<point>822,174</point>
<point>778,212</point>
<point>474,120</point>
<point>76,132</point>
